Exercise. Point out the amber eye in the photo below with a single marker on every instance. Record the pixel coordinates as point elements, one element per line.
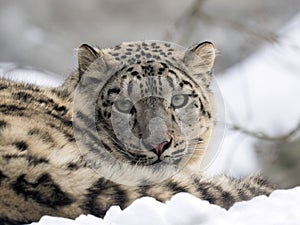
<point>123,106</point>
<point>180,100</point>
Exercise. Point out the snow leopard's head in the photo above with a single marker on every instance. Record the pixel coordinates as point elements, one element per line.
<point>152,103</point>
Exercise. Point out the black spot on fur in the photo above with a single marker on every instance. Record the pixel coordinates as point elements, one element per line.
<point>228,199</point>
<point>3,86</point>
<point>61,119</point>
<point>8,109</point>
<point>44,135</point>
<point>21,145</point>
<point>204,189</point>
<point>105,114</point>
<point>105,189</point>
<point>105,104</point>
<point>173,118</point>
<point>32,160</point>
<point>3,124</point>
<point>9,221</point>
<point>48,101</point>
<point>14,156</point>
<point>134,73</point>
<point>202,107</point>
<point>107,147</point>
<point>208,115</point>
<point>194,94</point>
<point>108,115</point>
<point>44,191</point>
<point>2,176</point>
<point>113,90</point>
<point>129,69</point>
<point>72,166</point>
<point>176,187</point>
<point>36,161</point>
<point>172,72</point>
<point>61,109</point>
<point>162,69</point>
<point>26,97</point>
<point>187,83</point>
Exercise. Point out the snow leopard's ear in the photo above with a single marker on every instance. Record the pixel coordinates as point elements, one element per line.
<point>86,56</point>
<point>200,59</point>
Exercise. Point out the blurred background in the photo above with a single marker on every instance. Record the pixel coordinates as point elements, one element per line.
<point>46,33</point>
<point>250,35</point>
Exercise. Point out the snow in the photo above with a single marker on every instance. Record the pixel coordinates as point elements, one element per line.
<point>257,93</point>
<point>281,207</point>
<point>29,75</point>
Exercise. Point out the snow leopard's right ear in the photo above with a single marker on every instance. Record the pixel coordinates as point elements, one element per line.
<point>86,56</point>
<point>200,59</point>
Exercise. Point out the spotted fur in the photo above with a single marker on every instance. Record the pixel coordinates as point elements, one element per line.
<point>162,94</point>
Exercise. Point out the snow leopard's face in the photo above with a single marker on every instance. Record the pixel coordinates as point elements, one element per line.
<point>155,111</point>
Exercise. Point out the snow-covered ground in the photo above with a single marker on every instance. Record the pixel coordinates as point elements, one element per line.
<point>260,94</point>
<point>281,207</point>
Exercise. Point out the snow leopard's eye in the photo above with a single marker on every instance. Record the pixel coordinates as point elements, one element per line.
<point>179,101</point>
<point>123,106</point>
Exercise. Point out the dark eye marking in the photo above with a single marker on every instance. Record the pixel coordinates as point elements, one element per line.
<point>134,73</point>
<point>113,90</point>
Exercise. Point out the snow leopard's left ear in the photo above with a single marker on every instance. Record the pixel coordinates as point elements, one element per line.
<point>200,59</point>
<point>86,56</point>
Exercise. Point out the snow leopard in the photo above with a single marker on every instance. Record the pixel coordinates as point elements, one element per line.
<point>133,120</point>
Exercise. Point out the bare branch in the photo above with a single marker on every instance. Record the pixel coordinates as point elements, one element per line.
<point>261,135</point>
<point>185,19</point>
<point>256,32</point>
<point>188,19</point>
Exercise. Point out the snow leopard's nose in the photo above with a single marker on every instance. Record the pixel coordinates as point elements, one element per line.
<point>160,148</point>
<point>158,139</point>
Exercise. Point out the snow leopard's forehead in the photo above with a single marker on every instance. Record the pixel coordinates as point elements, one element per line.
<point>134,52</point>
<point>150,79</point>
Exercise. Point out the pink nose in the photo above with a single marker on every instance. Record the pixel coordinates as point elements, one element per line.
<point>159,149</point>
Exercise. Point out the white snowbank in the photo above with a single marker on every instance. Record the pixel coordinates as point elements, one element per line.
<point>29,75</point>
<point>281,207</point>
